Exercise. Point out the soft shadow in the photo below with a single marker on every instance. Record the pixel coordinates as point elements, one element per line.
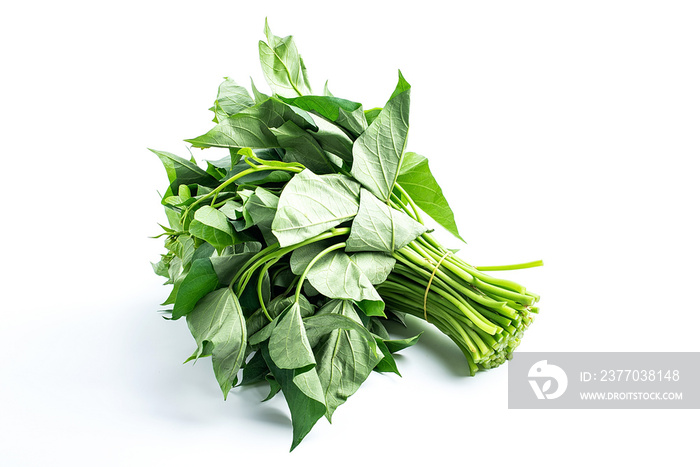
<point>442,349</point>
<point>265,411</point>
<point>160,384</point>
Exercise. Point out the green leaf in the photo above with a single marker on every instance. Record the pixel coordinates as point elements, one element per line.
<point>203,250</point>
<point>335,275</point>
<point>282,65</point>
<point>378,227</point>
<point>182,172</point>
<point>345,269</point>
<point>219,115</point>
<point>228,263</point>
<point>340,307</point>
<point>301,147</point>
<point>372,114</point>
<point>376,266</point>
<point>175,276</point>
<point>302,256</point>
<point>321,325</point>
<point>332,139</point>
<point>249,298</point>
<point>186,250</point>
<point>346,355</point>
<point>347,114</point>
<point>284,278</point>
<point>417,180</point>
<point>274,113</point>
<point>219,168</point>
<point>162,266</point>
<point>254,370</point>
<point>277,305</point>
<point>173,217</point>
<point>259,96</point>
<point>232,209</point>
<point>311,204</point>
<point>397,345</point>
<point>261,208</point>
<point>199,281</point>
<point>264,333</point>
<point>377,152</point>
<point>237,131</point>
<point>184,192</point>
<point>387,364</point>
<point>304,395</point>
<point>289,346</point>
<point>274,387</point>
<point>211,225</point>
<point>326,90</point>
<point>177,201</point>
<point>397,316</point>
<point>233,98</point>
<point>251,127</point>
<point>218,321</point>
<point>376,327</point>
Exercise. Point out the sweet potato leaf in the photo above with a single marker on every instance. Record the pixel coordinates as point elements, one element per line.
<point>311,204</point>
<point>232,98</point>
<point>251,127</point>
<point>282,65</point>
<point>332,139</point>
<point>182,172</point>
<point>335,275</point>
<point>346,354</point>
<point>212,226</point>
<point>277,305</point>
<point>217,322</point>
<point>420,184</point>
<point>261,208</point>
<point>344,113</point>
<point>378,227</point>
<point>289,346</point>
<point>303,393</point>
<point>199,281</point>
<point>376,266</point>
<point>387,364</point>
<point>301,147</point>
<point>378,151</point>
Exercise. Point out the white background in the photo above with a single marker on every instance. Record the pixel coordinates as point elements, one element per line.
<point>562,131</point>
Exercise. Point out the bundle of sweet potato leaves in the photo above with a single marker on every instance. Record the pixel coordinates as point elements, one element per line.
<point>288,255</point>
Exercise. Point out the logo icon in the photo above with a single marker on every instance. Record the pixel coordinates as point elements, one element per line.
<point>542,371</point>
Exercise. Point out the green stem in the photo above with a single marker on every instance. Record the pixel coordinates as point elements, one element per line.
<point>241,174</point>
<point>449,294</point>
<point>246,272</point>
<point>430,239</point>
<point>261,279</point>
<point>260,254</point>
<point>511,267</point>
<point>464,289</point>
<point>291,286</point>
<point>410,202</point>
<point>399,206</point>
<point>504,283</point>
